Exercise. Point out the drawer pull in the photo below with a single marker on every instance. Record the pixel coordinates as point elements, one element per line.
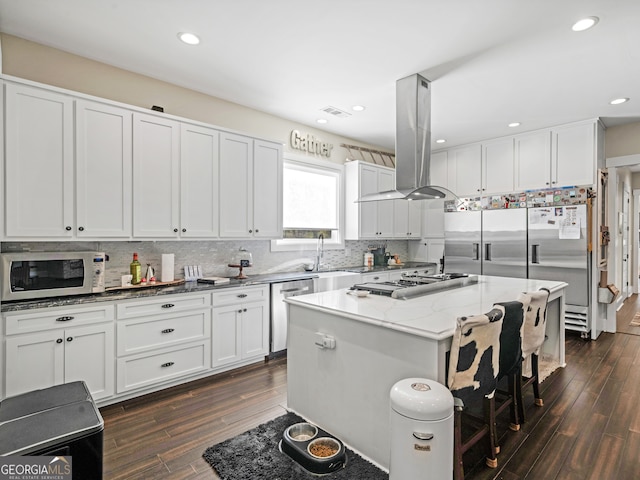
<point>63,319</point>
<point>242,295</point>
<point>167,330</point>
<point>69,339</point>
<point>165,365</point>
<point>168,305</point>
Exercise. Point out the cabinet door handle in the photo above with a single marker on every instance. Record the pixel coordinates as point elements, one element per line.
<point>69,339</point>
<point>59,340</point>
<point>240,311</point>
<point>168,305</point>
<point>250,231</point>
<point>184,230</point>
<point>81,229</point>
<point>257,230</point>
<point>242,295</point>
<point>167,330</point>
<point>244,309</point>
<point>67,228</point>
<point>64,319</point>
<point>165,365</point>
<point>175,230</point>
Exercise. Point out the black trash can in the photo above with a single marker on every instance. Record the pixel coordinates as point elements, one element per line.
<point>62,420</point>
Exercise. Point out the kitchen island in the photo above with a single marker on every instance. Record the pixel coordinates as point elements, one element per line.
<point>346,352</point>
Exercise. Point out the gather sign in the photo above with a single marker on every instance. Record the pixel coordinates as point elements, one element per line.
<point>309,143</point>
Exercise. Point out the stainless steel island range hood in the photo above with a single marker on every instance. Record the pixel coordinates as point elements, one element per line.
<point>413,144</point>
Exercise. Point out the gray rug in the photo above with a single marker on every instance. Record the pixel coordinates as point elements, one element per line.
<point>254,455</point>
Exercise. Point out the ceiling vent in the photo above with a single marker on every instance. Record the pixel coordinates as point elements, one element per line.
<point>336,112</point>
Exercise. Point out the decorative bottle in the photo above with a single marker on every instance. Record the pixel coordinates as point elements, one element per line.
<point>135,270</point>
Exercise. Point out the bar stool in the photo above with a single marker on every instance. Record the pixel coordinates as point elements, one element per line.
<point>532,339</point>
<point>472,379</point>
<point>511,358</point>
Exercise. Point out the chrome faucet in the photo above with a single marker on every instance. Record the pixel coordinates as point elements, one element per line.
<point>319,251</point>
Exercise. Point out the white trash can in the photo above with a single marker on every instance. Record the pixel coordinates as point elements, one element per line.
<point>421,430</point>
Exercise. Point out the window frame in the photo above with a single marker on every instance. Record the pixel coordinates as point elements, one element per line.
<point>301,244</point>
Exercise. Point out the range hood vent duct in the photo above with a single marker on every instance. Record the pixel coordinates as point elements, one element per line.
<point>413,144</point>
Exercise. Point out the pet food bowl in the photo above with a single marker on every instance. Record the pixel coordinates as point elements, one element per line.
<point>313,448</point>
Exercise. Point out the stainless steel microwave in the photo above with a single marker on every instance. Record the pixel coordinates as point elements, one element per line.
<point>30,275</point>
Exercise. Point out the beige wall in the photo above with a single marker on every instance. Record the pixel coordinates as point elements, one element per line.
<point>622,140</point>
<point>32,61</point>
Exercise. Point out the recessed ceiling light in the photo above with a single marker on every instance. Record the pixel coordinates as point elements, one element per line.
<point>514,124</point>
<point>189,38</point>
<point>358,108</point>
<point>440,140</point>
<point>584,24</point>
<point>618,101</point>
<point>321,120</point>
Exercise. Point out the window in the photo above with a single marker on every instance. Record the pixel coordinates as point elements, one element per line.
<point>312,204</point>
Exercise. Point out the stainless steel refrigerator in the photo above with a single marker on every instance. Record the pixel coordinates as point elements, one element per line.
<point>558,251</point>
<point>488,242</point>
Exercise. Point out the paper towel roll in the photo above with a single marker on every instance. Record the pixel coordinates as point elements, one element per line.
<point>167,267</point>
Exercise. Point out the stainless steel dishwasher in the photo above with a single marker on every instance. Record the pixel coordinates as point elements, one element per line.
<point>280,291</point>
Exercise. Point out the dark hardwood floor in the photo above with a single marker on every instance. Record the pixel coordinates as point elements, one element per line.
<point>588,428</point>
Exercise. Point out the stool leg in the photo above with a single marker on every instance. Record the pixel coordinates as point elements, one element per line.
<point>520,398</point>
<point>490,421</point>
<point>513,409</point>
<point>536,383</point>
<point>458,468</point>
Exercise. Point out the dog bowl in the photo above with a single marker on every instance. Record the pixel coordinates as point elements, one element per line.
<point>313,448</point>
<point>301,432</point>
<point>324,448</point>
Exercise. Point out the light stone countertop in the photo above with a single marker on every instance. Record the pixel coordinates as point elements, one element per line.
<point>432,315</point>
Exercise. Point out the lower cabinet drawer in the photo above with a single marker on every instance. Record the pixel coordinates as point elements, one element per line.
<point>143,370</point>
<point>149,333</point>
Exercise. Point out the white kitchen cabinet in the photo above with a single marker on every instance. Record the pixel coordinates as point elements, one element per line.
<point>533,160</point>
<point>60,345</point>
<point>467,162</point>
<point>407,219</point>
<point>573,154</point>
<point>433,219</point>
<point>427,250</point>
<point>162,339</point>
<point>156,175</point>
<point>368,220</point>
<point>39,183</point>
<point>498,166</point>
<point>103,170</point>
<point>199,166</point>
<point>250,188</point>
<point>440,170</point>
<point>374,277</point>
<point>240,327</point>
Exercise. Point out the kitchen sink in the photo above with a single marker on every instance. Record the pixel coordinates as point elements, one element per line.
<point>335,280</point>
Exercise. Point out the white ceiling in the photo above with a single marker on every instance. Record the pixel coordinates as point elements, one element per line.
<point>491,62</point>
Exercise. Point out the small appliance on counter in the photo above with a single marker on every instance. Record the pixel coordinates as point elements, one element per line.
<point>242,259</point>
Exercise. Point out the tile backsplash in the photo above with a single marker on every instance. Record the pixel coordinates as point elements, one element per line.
<point>213,256</point>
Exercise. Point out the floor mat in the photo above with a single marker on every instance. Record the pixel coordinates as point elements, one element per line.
<point>255,455</point>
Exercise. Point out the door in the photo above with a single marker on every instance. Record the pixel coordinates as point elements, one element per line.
<point>267,189</point>
<point>38,360</point>
<point>462,238</point>
<point>558,250</point>
<point>626,260</point>
<point>225,334</point>
<point>236,192</point>
<point>156,174</point>
<point>38,163</point>
<point>103,170</point>
<point>504,242</point>
<point>255,330</point>
<point>533,160</point>
<point>199,158</point>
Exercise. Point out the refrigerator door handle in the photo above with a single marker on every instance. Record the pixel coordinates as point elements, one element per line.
<point>535,253</point>
<point>487,252</point>
<point>476,251</point>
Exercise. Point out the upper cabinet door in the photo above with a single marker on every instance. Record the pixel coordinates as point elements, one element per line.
<point>267,189</point>
<point>440,169</point>
<point>533,159</point>
<point>103,170</point>
<point>156,173</point>
<point>368,211</point>
<point>38,163</point>
<point>386,182</point>
<point>236,192</point>
<point>573,155</point>
<point>498,166</point>
<point>199,165</point>
<point>468,166</point>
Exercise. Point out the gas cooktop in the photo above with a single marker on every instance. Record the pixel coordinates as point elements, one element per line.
<point>414,285</point>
